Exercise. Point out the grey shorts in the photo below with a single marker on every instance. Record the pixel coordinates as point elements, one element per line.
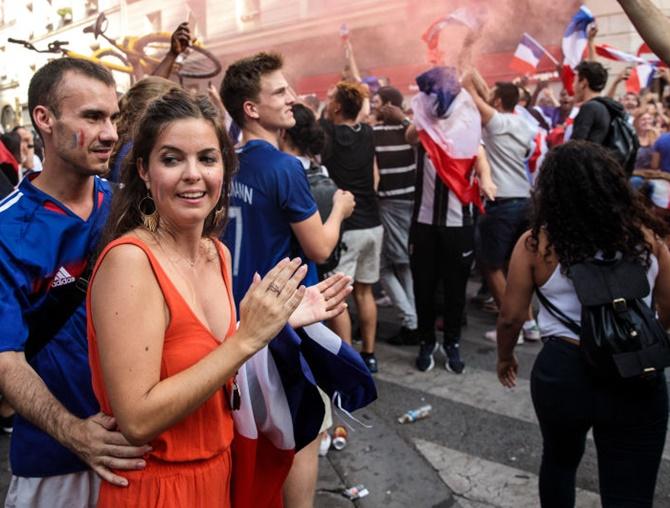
<point>396,217</point>
<point>361,258</point>
<point>64,491</point>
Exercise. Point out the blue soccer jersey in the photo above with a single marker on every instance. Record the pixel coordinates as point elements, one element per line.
<point>269,192</point>
<point>44,247</point>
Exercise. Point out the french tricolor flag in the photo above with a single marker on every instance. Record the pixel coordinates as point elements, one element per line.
<point>640,77</point>
<point>281,409</point>
<point>648,55</point>
<point>642,74</point>
<point>527,56</point>
<point>451,142</point>
<point>611,53</point>
<point>574,43</point>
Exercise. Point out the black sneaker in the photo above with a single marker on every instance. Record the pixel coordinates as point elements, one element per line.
<point>405,337</point>
<point>7,424</point>
<point>370,362</point>
<point>425,360</point>
<point>454,363</point>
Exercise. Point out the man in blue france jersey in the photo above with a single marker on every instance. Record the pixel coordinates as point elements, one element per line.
<point>271,203</point>
<point>49,228</point>
<point>272,208</point>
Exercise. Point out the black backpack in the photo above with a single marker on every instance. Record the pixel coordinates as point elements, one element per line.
<point>621,137</point>
<point>620,335</point>
<point>323,188</point>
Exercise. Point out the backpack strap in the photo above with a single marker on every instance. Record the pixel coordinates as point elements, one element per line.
<point>571,324</point>
<point>58,308</point>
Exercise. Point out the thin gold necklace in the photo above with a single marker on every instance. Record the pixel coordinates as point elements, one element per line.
<point>179,256</point>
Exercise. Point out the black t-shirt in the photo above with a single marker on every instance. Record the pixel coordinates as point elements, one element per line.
<point>592,123</point>
<point>349,158</point>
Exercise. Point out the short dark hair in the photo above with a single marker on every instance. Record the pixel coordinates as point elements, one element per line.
<point>306,135</point>
<point>242,82</point>
<point>45,83</point>
<point>390,94</point>
<point>508,93</point>
<point>594,73</point>
<point>350,97</point>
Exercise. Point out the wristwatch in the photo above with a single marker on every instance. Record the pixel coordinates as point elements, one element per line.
<point>406,122</point>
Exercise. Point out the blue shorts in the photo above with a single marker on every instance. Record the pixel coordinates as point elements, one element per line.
<point>498,230</point>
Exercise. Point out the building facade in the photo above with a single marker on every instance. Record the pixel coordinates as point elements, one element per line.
<point>385,34</point>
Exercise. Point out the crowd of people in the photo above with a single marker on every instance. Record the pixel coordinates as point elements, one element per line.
<point>166,254</point>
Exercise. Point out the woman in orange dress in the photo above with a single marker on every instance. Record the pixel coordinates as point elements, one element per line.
<point>164,346</point>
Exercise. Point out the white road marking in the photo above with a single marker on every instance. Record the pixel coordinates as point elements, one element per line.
<point>481,483</point>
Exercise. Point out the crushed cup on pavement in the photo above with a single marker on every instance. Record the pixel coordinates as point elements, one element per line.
<point>355,492</point>
<point>416,414</point>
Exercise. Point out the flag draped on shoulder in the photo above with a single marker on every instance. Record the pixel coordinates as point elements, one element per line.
<point>527,56</point>
<point>449,128</point>
<point>539,147</point>
<point>574,43</point>
<point>281,410</point>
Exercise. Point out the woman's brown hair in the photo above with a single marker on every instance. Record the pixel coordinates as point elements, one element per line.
<point>177,104</point>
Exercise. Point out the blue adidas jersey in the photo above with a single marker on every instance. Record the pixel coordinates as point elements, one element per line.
<point>44,247</point>
<point>269,192</point>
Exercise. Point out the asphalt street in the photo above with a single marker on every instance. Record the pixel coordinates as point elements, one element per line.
<point>480,447</point>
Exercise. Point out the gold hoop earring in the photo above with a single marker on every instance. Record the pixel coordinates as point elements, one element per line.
<point>149,213</point>
<point>219,214</point>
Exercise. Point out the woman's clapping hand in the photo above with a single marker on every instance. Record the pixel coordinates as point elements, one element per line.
<point>269,303</point>
<point>323,301</point>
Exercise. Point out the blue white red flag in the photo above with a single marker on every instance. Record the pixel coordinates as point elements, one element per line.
<point>640,77</point>
<point>527,56</point>
<point>648,55</point>
<point>449,128</point>
<point>611,53</point>
<point>574,43</point>
<point>281,410</point>
<point>643,72</point>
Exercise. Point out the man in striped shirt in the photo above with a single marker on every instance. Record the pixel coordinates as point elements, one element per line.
<point>397,174</point>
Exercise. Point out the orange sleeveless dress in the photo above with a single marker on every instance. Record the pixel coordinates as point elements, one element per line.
<point>190,464</point>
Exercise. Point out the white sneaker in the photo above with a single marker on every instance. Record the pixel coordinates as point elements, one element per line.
<point>493,337</point>
<point>324,445</point>
<point>531,332</point>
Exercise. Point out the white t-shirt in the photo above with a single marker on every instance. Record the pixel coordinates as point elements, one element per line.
<point>507,140</point>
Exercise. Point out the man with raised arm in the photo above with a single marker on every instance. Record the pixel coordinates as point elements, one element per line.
<point>50,227</point>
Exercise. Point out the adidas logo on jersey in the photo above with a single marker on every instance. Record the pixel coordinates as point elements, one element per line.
<point>62,277</point>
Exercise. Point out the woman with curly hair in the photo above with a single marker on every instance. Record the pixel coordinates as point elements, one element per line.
<point>584,208</point>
